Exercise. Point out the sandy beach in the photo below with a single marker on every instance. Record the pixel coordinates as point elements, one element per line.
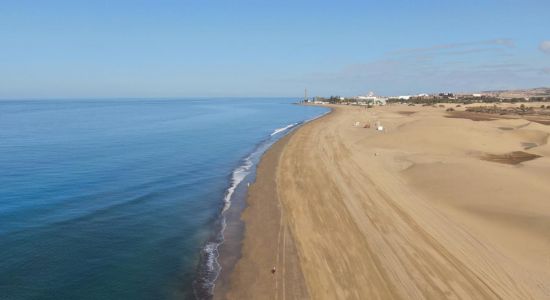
<point>429,208</point>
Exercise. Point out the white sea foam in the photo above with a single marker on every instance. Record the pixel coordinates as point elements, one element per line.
<point>211,253</point>
<point>278,130</point>
<point>210,250</point>
<point>237,177</point>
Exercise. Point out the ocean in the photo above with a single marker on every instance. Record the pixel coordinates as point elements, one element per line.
<point>122,199</point>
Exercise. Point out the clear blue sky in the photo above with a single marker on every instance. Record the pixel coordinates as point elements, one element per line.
<point>270,48</point>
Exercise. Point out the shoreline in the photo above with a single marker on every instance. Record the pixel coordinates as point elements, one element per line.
<point>221,252</point>
<point>266,238</point>
<point>410,212</point>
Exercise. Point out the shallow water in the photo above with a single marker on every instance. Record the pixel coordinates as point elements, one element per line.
<point>115,199</point>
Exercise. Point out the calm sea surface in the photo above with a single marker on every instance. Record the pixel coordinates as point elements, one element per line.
<point>117,199</point>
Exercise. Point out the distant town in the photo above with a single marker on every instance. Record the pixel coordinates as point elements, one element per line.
<point>510,96</point>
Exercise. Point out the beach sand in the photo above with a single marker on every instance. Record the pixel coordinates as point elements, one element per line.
<point>430,208</point>
<point>267,243</point>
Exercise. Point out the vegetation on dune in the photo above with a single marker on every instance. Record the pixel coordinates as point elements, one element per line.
<point>521,110</point>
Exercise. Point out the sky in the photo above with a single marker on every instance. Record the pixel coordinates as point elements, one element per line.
<point>237,48</point>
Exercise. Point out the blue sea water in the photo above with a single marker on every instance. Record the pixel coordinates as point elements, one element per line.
<point>117,199</point>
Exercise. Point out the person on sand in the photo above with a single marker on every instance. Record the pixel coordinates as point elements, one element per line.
<point>273,270</point>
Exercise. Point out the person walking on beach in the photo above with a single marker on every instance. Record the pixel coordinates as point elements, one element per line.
<point>273,270</point>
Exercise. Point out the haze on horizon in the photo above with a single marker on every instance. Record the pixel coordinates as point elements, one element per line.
<point>270,48</point>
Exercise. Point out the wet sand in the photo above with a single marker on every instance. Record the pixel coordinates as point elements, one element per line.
<point>267,243</point>
<point>413,212</point>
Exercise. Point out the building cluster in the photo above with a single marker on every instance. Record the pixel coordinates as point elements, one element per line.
<point>369,99</point>
<point>372,99</point>
<point>468,98</point>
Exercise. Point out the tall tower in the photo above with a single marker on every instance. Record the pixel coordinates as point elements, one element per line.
<point>305,94</point>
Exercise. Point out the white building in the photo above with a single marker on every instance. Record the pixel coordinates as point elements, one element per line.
<point>371,98</point>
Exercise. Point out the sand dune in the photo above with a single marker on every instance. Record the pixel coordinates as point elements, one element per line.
<point>413,212</point>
